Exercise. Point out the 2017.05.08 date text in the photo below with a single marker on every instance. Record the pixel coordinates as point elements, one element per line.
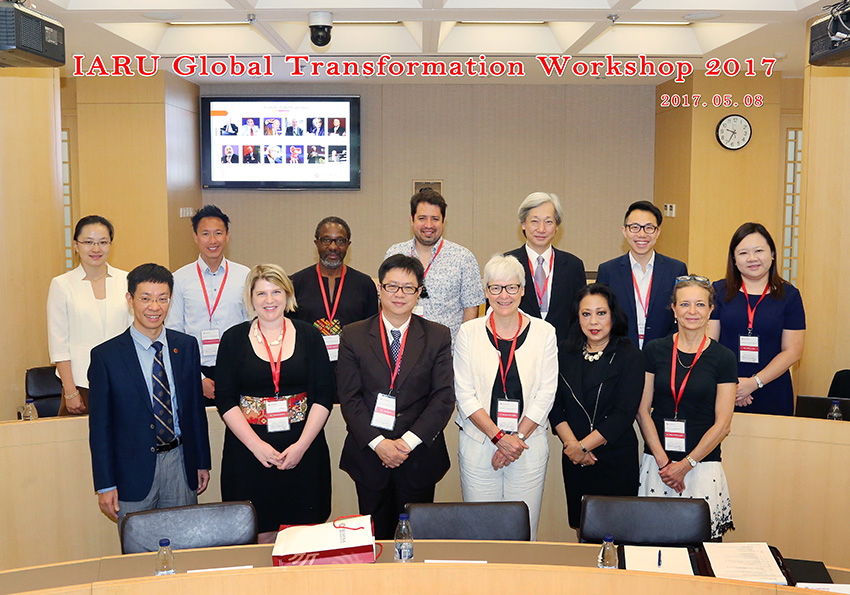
<point>716,100</point>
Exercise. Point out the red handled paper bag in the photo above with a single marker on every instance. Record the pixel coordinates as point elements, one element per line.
<point>348,540</point>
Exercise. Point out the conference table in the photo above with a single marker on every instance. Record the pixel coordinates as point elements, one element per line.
<point>530,567</point>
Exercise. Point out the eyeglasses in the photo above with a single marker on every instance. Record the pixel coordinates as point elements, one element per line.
<point>649,228</point>
<point>393,288</point>
<point>511,289</point>
<point>340,242</point>
<point>147,301</point>
<point>90,244</point>
<point>696,278</point>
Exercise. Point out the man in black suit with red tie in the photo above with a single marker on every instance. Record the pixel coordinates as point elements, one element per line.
<point>552,277</point>
<point>396,391</point>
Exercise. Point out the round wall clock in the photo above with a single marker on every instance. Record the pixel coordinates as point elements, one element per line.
<point>734,132</point>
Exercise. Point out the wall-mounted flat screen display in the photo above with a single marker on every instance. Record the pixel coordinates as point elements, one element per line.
<point>280,143</point>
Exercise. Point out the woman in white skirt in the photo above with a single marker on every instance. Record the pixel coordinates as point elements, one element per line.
<point>687,405</point>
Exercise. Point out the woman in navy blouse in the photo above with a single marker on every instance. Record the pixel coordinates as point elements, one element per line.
<point>760,317</point>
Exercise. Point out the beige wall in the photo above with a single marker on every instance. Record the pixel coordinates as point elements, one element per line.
<point>31,237</point>
<point>825,261</point>
<point>491,145</point>
<point>138,162</point>
<point>719,189</point>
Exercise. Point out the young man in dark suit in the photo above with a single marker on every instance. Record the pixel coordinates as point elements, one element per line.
<point>396,391</point>
<point>147,427</point>
<point>642,279</point>
<point>552,276</point>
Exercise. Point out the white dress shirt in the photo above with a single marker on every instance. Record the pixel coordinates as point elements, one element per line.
<point>547,262</point>
<point>643,278</point>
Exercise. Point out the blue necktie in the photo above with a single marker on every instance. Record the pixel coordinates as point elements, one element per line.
<point>396,344</point>
<point>162,398</point>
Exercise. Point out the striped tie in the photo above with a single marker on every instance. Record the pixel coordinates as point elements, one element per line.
<point>162,399</point>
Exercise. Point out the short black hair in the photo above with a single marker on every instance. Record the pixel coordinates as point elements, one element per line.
<point>619,322</point>
<point>432,197</point>
<point>336,220</point>
<point>644,205</point>
<point>93,220</point>
<point>149,273</point>
<point>209,211</point>
<point>405,263</point>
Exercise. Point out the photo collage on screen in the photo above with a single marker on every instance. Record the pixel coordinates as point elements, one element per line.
<point>286,134</point>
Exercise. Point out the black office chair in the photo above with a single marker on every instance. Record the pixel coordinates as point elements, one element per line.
<point>197,526</point>
<point>645,521</point>
<point>494,521</point>
<point>45,389</point>
<point>840,387</point>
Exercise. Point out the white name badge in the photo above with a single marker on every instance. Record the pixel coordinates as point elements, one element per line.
<point>674,435</point>
<point>384,415</point>
<point>209,342</point>
<point>419,309</point>
<point>332,345</point>
<point>507,415</point>
<point>749,349</point>
<point>277,415</point>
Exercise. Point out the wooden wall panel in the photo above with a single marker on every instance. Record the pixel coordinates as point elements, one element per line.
<point>31,236</point>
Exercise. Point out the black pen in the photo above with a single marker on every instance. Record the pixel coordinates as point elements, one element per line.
<point>659,558</point>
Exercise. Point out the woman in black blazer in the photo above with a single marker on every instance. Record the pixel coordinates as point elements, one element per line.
<point>601,377</point>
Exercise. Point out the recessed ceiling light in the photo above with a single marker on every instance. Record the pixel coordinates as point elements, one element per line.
<point>702,16</point>
<point>652,23</point>
<point>162,16</point>
<point>367,22</point>
<point>502,22</point>
<point>208,23</point>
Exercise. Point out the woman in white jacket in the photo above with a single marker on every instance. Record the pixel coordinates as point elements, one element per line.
<point>85,307</point>
<point>506,375</point>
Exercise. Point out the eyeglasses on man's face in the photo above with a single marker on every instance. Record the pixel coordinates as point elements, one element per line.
<point>393,288</point>
<point>647,228</point>
<point>341,242</point>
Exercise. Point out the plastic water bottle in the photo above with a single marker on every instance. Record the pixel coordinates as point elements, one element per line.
<point>834,413</point>
<point>608,553</point>
<point>164,558</point>
<point>403,539</point>
<point>30,412</point>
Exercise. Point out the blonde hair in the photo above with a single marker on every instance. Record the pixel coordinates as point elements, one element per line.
<point>503,267</point>
<point>273,274</point>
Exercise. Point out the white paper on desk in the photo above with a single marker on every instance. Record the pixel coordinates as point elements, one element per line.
<point>828,587</point>
<point>744,562</point>
<point>674,560</point>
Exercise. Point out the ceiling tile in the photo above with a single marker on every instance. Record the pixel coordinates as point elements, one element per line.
<point>146,5</point>
<point>498,39</point>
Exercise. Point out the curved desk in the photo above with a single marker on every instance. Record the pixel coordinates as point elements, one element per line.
<point>512,567</point>
<point>787,478</point>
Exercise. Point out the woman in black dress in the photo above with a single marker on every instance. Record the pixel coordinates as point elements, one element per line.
<point>599,390</point>
<point>684,421</point>
<point>274,390</point>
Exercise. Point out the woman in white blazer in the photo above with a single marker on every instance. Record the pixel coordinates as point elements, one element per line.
<point>85,307</point>
<point>506,375</point>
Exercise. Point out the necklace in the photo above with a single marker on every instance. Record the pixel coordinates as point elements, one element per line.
<point>258,335</point>
<point>591,357</point>
<point>680,361</point>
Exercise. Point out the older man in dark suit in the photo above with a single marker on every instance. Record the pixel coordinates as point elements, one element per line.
<point>147,427</point>
<point>642,279</point>
<point>396,391</point>
<point>552,276</point>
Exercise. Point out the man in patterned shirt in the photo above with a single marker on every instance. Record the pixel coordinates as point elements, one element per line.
<point>453,290</point>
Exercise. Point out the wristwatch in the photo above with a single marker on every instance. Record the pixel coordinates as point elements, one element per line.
<point>758,380</point>
<point>691,461</point>
<point>521,436</point>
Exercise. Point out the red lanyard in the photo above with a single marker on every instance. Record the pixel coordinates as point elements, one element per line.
<point>204,288</point>
<point>537,290</point>
<point>325,296</point>
<point>433,258</point>
<point>678,398</point>
<point>503,370</point>
<point>643,304</point>
<point>274,366</point>
<point>393,372</point>
<point>751,310</point>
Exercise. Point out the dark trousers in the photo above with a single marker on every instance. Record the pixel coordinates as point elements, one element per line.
<point>386,504</point>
